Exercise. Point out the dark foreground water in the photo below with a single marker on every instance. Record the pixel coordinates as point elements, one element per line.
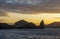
<point>48,33</point>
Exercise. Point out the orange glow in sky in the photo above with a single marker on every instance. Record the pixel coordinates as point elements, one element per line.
<point>35,18</point>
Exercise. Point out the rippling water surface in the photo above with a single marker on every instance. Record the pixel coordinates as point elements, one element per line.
<point>48,33</point>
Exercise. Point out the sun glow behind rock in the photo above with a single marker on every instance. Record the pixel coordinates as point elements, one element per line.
<point>35,18</point>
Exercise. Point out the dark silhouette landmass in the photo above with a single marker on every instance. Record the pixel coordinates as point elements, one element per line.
<point>4,25</point>
<point>53,25</point>
<point>41,25</point>
<point>25,25</point>
<point>22,24</point>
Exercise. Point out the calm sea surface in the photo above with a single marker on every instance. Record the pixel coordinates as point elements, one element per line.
<point>48,33</point>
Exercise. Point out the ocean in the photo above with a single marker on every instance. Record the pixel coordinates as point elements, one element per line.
<point>47,33</point>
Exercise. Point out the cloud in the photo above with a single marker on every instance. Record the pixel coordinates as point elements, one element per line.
<point>1,20</point>
<point>32,2</point>
<point>3,14</point>
<point>32,6</point>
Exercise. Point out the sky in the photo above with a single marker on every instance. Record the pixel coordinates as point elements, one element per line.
<point>34,11</point>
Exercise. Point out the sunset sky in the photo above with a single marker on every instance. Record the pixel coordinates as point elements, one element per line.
<point>34,11</point>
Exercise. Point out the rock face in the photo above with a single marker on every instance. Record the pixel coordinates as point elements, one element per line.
<point>25,25</point>
<point>22,24</point>
<point>4,26</point>
<point>31,26</point>
<point>54,25</point>
<point>41,26</point>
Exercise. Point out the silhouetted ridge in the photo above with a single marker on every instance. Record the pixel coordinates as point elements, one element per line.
<point>25,25</point>
<point>41,26</point>
<point>54,25</point>
<point>31,26</point>
<point>22,24</point>
<point>4,25</point>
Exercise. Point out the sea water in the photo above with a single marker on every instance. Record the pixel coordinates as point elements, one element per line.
<point>48,33</point>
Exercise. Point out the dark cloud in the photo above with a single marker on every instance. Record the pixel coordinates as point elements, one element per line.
<point>31,6</point>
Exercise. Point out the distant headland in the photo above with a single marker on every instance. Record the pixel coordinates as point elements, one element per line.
<point>22,24</point>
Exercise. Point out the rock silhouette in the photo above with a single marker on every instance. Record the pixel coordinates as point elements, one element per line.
<point>25,25</point>
<point>53,25</point>
<point>41,26</point>
<point>22,24</point>
<point>31,26</point>
<point>4,25</point>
